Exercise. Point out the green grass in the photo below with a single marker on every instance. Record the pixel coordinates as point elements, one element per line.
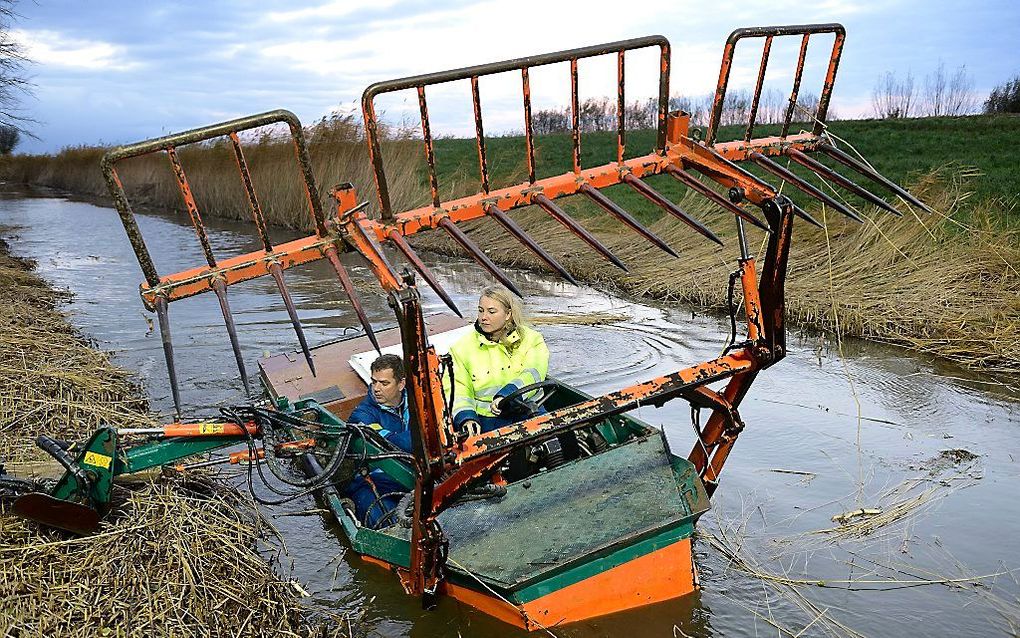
<point>902,150</point>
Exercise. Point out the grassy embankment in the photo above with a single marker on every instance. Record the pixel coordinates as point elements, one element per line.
<point>175,557</point>
<point>945,284</point>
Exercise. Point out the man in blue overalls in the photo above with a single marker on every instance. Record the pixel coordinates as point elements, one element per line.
<point>384,409</point>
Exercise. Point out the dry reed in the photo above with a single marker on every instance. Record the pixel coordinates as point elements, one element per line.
<point>175,557</point>
<point>930,283</point>
<point>927,282</point>
<point>336,147</point>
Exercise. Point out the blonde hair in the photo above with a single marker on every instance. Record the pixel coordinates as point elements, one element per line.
<point>510,302</point>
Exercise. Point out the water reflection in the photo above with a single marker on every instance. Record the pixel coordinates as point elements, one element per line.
<point>801,416</point>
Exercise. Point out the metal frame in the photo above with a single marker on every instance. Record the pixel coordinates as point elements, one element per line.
<point>446,464</point>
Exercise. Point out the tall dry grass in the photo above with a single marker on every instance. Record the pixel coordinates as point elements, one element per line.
<point>176,556</point>
<point>336,146</point>
<point>945,285</point>
<point>927,282</point>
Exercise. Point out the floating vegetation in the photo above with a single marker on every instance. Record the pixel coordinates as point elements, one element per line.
<point>578,319</point>
<point>175,557</point>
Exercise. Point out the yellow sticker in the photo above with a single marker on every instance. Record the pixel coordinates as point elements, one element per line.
<point>98,460</point>
<point>210,428</point>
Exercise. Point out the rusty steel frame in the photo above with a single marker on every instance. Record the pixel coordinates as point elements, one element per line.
<point>447,463</point>
<point>473,73</point>
<point>770,33</point>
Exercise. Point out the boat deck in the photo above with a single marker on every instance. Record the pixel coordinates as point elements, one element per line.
<point>554,518</point>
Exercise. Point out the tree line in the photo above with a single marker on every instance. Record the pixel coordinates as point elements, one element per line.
<point>940,94</point>
<point>600,113</point>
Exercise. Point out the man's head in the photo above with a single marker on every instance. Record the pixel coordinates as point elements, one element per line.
<point>388,379</point>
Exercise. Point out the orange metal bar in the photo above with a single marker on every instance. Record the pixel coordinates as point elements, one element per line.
<point>236,269</point>
<point>209,429</point>
<point>684,153</point>
<point>652,391</point>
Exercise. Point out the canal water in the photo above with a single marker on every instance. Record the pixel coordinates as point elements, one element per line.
<point>832,429</point>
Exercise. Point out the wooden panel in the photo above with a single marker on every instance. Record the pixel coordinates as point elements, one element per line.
<point>287,374</point>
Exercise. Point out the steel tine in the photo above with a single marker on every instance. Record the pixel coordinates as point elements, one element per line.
<point>511,227</point>
<point>784,173</point>
<point>561,216</point>
<point>274,268</point>
<point>397,240</point>
<point>613,209</point>
<point>695,184</point>
<point>660,200</point>
<point>808,218</point>
<point>477,254</point>
<point>277,273</point>
<point>824,171</point>
<point>168,350</point>
<point>878,178</point>
<point>348,286</point>
<point>220,288</point>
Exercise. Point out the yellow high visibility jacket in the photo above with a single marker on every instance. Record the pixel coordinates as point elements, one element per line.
<point>484,370</point>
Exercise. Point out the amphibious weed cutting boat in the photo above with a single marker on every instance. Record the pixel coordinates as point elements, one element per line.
<point>574,513</point>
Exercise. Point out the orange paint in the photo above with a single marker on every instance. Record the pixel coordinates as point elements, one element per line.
<point>662,575</point>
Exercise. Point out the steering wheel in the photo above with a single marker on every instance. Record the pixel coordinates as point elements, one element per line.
<point>515,402</point>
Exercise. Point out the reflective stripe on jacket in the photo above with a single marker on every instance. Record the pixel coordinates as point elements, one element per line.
<point>484,370</point>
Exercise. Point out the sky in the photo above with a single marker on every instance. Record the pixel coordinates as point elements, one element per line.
<point>119,72</point>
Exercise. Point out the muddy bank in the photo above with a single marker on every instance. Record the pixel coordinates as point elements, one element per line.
<point>175,557</point>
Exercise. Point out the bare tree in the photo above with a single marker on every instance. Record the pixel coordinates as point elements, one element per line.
<point>14,83</point>
<point>892,98</point>
<point>946,95</point>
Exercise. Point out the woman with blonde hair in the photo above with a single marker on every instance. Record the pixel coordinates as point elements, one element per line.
<point>501,355</point>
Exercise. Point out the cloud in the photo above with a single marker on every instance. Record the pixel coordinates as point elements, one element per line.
<point>52,48</point>
<point>326,11</point>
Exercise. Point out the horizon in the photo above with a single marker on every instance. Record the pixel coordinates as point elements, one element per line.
<point>156,70</point>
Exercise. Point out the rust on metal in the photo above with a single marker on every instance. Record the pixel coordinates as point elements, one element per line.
<point>189,202</point>
<point>695,184</point>
<point>769,33</point>
<point>757,88</point>
<point>827,173</point>
<point>529,134</point>
<point>405,249</point>
<point>274,266</point>
<point>476,253</point>
<point>795,92</point>
<point>613,209</point>
<point>621,109</point>
<point>784,173</point>
<point>511,227</point>
<point>662,202</point>
<point>575,118</point>
<point>580,231</point>
<point>430,155</point>
<point>330,253</point>
<point>476,103</point>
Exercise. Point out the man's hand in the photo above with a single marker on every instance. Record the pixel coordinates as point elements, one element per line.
<point>494,407</point>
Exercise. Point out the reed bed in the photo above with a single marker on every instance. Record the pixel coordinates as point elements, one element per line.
<point>175,557</point>
<point>336,147</point>
<point>930,283</point>
<point>945,285</point>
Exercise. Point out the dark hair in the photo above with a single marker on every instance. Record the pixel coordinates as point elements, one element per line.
<point>390,362</point>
